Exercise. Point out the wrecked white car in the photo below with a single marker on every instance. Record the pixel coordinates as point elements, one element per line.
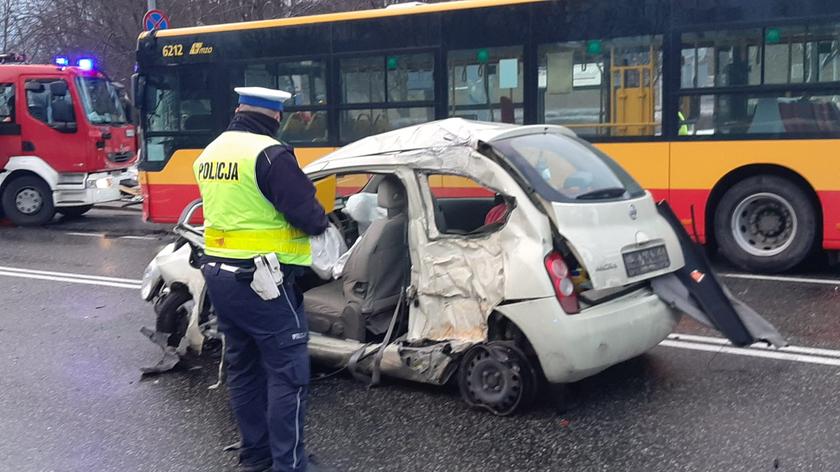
<point>505,253</point>
<point>499,255</point>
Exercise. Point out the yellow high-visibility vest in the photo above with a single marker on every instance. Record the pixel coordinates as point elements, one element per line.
<point>239,221</point>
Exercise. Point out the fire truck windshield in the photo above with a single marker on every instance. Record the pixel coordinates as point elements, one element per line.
<point>101,101</point>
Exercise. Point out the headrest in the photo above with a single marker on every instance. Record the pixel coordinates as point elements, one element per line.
<point>391,193</point>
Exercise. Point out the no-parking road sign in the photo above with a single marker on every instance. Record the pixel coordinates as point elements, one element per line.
<point>155,20</point>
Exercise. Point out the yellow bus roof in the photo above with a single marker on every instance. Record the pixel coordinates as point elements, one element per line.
<point>344,16</point>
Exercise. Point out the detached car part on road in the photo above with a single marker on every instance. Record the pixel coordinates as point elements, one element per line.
<point>553,263</point>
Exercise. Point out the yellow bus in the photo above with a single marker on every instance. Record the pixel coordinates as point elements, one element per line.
<point>727,109</point>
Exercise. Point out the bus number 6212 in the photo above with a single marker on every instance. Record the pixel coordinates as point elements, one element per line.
<point>173,50</point>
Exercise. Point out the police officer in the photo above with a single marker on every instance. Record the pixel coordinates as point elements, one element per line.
<point>259,204</point>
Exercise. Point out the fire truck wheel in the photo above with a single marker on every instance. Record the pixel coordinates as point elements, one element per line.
<point>27,201</point>
<point>75,211</point>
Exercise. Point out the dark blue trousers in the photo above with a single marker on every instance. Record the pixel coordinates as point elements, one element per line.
<point>268,367</point>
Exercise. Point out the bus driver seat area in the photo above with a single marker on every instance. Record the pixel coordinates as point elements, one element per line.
<point>363,299</point>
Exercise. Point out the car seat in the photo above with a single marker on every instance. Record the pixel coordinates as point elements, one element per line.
<point>364,298</point>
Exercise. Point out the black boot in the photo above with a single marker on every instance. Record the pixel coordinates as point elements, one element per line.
<point>262,466</point>
<point>316,466</point>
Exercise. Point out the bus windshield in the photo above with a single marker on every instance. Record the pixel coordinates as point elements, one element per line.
<point>101,101</point>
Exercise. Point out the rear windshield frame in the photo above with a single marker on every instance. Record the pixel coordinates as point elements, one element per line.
<point>632,188</point>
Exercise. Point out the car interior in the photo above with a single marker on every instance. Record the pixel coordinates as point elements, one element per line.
<point>361,302</point>
<point>359,305</point>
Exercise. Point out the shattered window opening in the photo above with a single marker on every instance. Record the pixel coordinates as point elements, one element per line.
<point>459,205</point>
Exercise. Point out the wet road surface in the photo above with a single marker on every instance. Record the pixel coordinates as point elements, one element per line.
<point>72,398</point>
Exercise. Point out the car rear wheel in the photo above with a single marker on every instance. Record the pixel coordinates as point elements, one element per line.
<point>765,224</point>
<point>498,377</point>
<point>74,211</point>
<point>28,201</point>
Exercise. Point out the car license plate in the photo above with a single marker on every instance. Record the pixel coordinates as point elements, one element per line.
<point>646,260</point>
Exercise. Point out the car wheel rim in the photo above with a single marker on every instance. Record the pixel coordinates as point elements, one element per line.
<point>764,224</point>
<point>29,201</point>
<point>495,378</point>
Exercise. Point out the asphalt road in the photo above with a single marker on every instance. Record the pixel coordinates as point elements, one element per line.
<point>72,398</point>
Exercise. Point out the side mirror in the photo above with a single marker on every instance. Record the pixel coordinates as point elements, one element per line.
<point>33,86</point>
<point>138,90</point>
<point>58,88</point>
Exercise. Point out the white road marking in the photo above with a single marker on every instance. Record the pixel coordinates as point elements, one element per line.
<point>780,278</point>
<point>724,342</point>
<point>89,235</point>
<point>791,353</point>
<point>143,238</point>
<point>69,275</point>
<point>70,280</point>
<point>103,235</point>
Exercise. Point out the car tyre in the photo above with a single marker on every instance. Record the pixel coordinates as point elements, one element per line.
<point>765,224</point>
<point>497,377</point>
<point>172,315</point>
<point>28,201</point>
<point>74,211</point>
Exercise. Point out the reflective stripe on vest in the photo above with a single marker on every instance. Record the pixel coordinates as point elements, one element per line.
<point>240,223</point>
<point>288,241</point>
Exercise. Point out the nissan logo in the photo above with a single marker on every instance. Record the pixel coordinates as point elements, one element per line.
<point>633,212</point>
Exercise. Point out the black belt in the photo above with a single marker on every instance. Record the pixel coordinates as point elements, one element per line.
<point>241,263</point>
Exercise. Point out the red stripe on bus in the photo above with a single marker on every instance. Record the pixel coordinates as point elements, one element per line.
<point>830,200</point>
<point>168,202</point>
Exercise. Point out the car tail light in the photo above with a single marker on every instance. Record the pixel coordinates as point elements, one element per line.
<point>561,279</point>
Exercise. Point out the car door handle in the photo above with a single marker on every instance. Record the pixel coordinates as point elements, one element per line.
<point>28,146</point>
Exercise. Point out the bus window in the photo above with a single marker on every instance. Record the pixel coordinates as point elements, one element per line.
<point>734,114</point>
<point>305,80</point>
<point>603,88</point>
<point>7,103</point>
<point>305,116</point>
<point>180,102</point>
<point>383,93</point>
<point>797,54</point>
<point>721,58</point>
<point>486,84</point>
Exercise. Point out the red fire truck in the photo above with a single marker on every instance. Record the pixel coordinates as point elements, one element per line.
<point>64,139</point>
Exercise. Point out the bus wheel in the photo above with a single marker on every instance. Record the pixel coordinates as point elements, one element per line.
<point>765,224</point>
<point>74,211</point>
<point>28,201</point>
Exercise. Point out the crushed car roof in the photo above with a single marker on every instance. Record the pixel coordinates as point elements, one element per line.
<point>434,138</point>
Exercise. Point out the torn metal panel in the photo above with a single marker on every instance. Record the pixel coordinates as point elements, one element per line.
<point>459,282</point>
<point>461,279</point>
<point>432,363</point>
<point>674,292</point>
<point>444,146</point>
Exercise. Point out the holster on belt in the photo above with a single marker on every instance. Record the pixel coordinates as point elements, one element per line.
<point>267,276</point>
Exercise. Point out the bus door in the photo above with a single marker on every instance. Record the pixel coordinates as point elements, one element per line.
<point>633,94</point>
<point>49,123</point>
<point>9,122</point>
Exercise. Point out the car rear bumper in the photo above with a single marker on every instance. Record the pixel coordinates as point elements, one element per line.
<point>572,347</point>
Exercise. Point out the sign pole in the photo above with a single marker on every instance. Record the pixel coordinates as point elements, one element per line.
<point>151,5</point>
